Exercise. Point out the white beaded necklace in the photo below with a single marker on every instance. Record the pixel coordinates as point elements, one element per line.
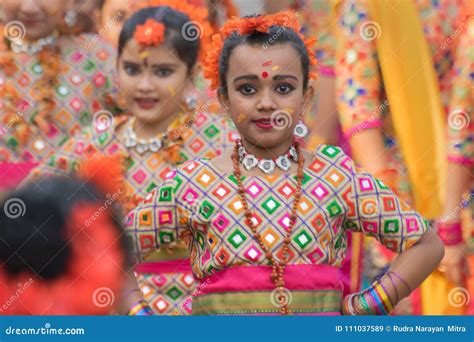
<point>142,145</point>
<point>32,48</point>
<point>250,162</point>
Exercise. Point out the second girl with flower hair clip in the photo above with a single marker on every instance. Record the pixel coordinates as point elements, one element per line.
<point>269,220</point>
<point>156,66</point>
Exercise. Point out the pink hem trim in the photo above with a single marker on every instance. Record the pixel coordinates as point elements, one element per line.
<point>361,127</point>
<point>156,267</point>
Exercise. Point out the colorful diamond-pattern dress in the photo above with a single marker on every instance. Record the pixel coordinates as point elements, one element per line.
<point>165,278</point>
<point>200,201</point>
<point>82,83</point>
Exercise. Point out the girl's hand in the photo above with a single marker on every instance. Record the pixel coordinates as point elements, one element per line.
<point>454,264</point>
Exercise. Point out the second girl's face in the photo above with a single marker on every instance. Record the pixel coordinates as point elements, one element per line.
<point>39,17</point>
<point>265,94</point>
<point>153,81</point>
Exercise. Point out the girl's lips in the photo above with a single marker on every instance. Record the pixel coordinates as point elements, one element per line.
<point>263,123</point>
<point>146,103</point>
<point>31,22</point>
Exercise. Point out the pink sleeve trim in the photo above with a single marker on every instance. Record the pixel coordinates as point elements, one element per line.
<point>361,127</point>
<point>326,70</point>
<point>461,160</point>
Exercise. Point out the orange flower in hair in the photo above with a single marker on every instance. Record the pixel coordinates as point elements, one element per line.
<point>247,26</point>
<point>151,33</point>
<point>198,17</point>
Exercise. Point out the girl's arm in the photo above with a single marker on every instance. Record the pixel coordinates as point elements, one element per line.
<point>375,210</point>
<point>358,87</point>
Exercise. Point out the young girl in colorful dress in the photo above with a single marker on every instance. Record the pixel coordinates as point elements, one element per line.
<point>156,66</point>
<point>268,220</point>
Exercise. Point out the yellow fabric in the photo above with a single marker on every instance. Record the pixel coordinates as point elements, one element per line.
<point>438,296</point>
<point>412,90</point>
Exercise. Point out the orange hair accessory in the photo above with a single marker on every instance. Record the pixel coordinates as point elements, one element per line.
<point>247,26</point>
<point>151,33</point>
<point>106,173</point>
<point>198,26</point>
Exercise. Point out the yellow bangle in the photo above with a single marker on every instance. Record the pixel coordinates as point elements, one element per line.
<point>384,296</point>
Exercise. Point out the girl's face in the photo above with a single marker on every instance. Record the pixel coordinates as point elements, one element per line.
<point>40,17</point>
<point>153,81</point>
<point>111,18</point>
<point>265,94</point>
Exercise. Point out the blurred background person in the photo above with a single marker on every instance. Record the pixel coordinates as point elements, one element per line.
<point>62,248</point>
<point>51,83</point>
<point>392,106</point>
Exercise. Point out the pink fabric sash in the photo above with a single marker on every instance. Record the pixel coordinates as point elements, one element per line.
<point>156,267</point>
<point>252,278</point>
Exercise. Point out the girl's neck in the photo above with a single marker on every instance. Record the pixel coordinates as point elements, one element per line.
<point>268,152</point>
<point>148,130</point>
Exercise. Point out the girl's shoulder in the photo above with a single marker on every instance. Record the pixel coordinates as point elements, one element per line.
<point>329,157</point>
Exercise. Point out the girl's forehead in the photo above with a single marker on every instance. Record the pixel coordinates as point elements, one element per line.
<point>156,54</point>
<point>257,60</point>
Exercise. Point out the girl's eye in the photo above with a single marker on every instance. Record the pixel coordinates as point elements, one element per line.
<point>131,69</point>
<point>163,72</point>
<point>284,88</point>
<point>247,89</point>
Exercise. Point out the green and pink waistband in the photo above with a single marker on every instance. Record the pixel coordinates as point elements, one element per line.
<point>248,290</point>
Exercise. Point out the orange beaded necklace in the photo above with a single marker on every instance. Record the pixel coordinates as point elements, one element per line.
<point>278,266</point>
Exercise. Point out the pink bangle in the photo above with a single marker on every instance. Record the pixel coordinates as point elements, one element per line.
<point>450,233</point>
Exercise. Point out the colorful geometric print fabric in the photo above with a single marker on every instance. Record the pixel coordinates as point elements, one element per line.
<point>202,201</point>
<point>360,91</point>
<point>82,83</point>
<point>209,136</point>
<point>461,108</point>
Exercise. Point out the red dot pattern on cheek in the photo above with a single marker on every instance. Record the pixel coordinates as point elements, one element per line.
<point>264,74</point>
